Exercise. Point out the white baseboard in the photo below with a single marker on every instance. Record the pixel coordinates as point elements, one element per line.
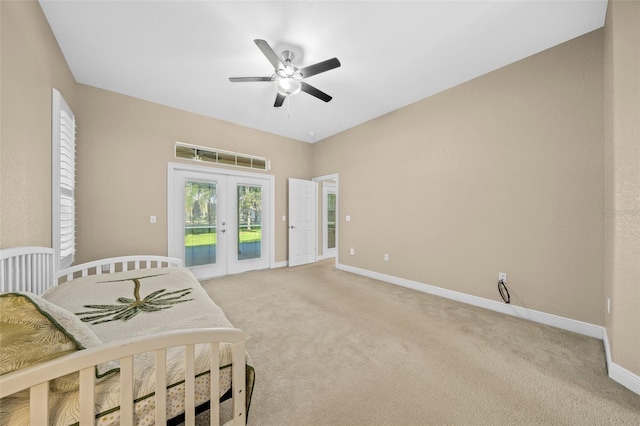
<point>282,264</point>
<point>616,372</point>
<point>576,326</point>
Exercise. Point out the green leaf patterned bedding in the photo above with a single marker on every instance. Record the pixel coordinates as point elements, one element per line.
<point>130,304</point>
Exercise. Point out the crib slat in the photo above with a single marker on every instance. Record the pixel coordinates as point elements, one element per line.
<point>214,381</point>
<point>39,271</point>
<point>126,390</point>
<point>12,280</point>
<point>36,269</point>
<point>161,386</point>
<point>238,377</point>
<point>189,385</point>
<point>39,410</point>
<point>3,277</point>
<point>87,396</point>
<point>27,270</point>
<point>23,273</point>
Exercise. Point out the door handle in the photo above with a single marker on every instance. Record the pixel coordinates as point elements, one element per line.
<point>223,230</point>
<point>291,227</point>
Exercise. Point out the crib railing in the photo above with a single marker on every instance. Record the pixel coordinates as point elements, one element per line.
<point>26,269</point>
<point>115,264</point>
<point>32,268</point>
<point>37,378</point>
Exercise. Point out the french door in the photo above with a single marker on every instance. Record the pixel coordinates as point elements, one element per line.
<point>219,223</point>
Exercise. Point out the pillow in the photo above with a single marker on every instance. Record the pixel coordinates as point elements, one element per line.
<point>33,330</point>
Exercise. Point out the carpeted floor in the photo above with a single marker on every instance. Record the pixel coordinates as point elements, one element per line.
<point>333,348</point>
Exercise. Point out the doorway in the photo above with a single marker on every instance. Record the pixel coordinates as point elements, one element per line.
<point>329,224</point>
<point>327,221</point>
<point>219,221</point>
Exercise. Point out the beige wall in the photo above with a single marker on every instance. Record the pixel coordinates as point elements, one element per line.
<point>31,65</point>
<point>124,145</point>
<point>123,148</point>
<point>503,173</point>
<point>622,159</point>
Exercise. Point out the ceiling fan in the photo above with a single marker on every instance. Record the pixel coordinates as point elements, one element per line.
<point>287,76</point>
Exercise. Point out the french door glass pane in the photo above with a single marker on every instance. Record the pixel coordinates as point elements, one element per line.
<point>331,221</point>
<point>249,222</point>
<point>200,223</point>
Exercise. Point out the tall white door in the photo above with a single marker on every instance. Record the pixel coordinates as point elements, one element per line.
<point>218,224</point>
<point>302,221</point>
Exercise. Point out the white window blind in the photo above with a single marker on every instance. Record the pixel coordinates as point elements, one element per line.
<point>63,155</point>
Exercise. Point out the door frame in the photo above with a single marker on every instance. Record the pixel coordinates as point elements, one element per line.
<point>173,168</point>
<point>333,177</point>
<point>328,187</point>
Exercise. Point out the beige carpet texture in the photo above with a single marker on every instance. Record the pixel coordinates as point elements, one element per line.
<point>333,348</point>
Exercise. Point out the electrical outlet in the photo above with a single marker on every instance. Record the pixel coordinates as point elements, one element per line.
<point>502,276</point>
<point>352,252</point>
<point>608,305</point>
<point>386,257</point>
<point>152,219</point>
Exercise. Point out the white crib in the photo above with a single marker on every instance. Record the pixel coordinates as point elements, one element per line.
<point>30,269</point>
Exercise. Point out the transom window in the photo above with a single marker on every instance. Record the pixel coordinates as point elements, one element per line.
<point>219,156</point>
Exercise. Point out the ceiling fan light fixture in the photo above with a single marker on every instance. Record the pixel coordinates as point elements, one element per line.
<point>288,86</point>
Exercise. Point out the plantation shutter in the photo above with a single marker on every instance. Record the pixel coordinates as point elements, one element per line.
<point>63,182</point>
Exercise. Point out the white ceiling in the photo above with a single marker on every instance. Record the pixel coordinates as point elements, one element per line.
<point>393,53</point>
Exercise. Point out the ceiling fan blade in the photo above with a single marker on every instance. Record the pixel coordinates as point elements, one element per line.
<point>307,88</point>
<point>323,66</point>
<point>279,100</point>
<point>245,79</point>
<point>269,53</point>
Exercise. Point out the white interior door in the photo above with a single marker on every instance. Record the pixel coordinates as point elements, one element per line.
<point>219,224</point>
<point>302,221</point>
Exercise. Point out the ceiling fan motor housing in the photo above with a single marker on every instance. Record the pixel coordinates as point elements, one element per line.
<point>288,56</point>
